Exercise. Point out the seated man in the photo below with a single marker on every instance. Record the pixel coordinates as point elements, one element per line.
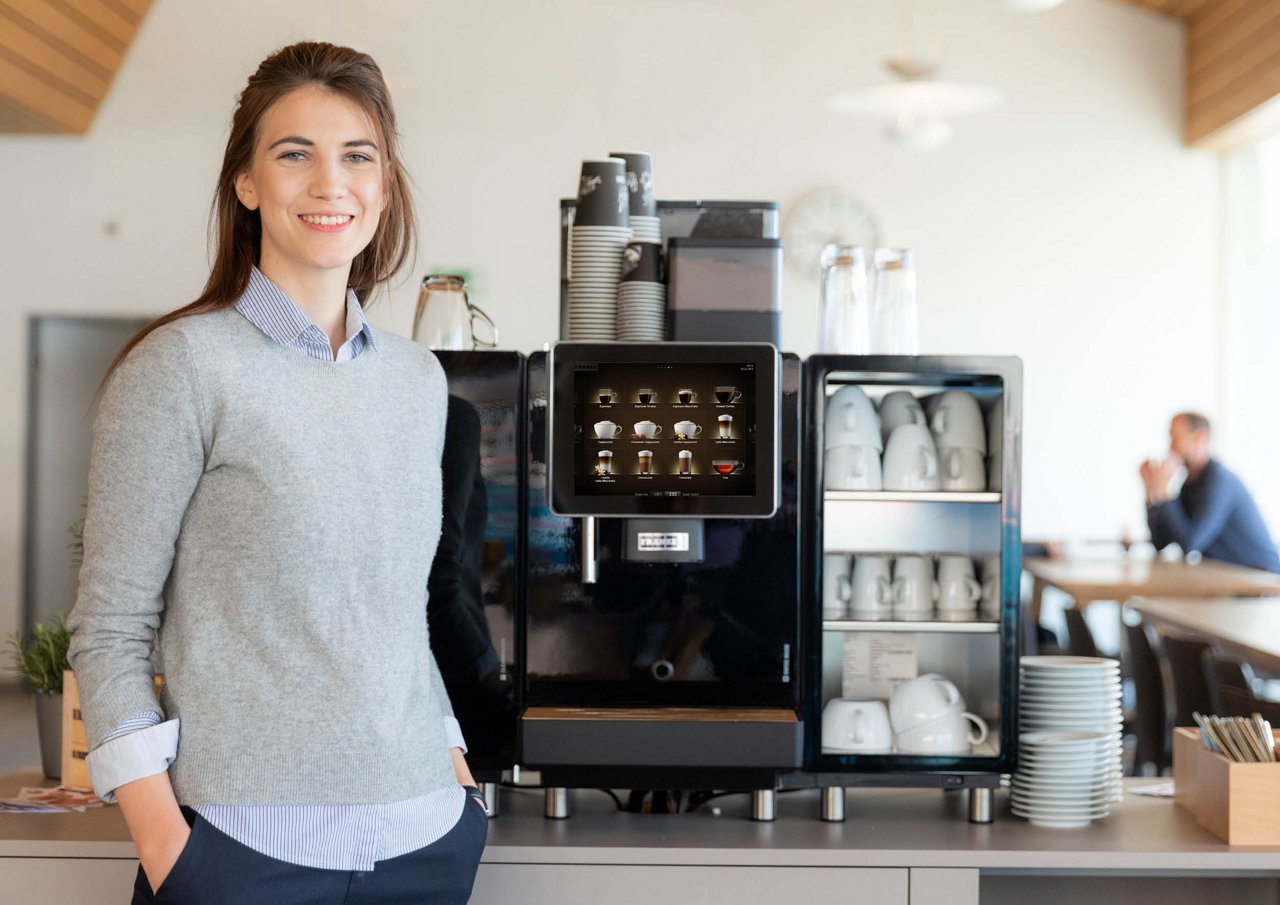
<point>1213,513</point>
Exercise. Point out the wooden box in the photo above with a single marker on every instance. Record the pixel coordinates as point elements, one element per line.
<point>1239,803</point>
<point>75,747</point>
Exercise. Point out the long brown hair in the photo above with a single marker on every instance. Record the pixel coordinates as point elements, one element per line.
<point>236,232</point>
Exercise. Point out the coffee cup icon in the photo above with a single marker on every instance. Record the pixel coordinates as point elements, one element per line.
<point>687,430</point>
<point>727,395</point>
<point>686,396</point>
<point>646,461</point>
<point>604,461</point>
<point>607,430</point>
<point>727,466</point>
<point>726,427</point>
<point>646,396</point>
<point>605,396</point>
<point>646,429</point>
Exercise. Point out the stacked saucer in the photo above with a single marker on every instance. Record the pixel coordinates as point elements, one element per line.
<point>596,242</point>
<point>642,296</point>
<point>1076,694</point>
<point>1063,779</point>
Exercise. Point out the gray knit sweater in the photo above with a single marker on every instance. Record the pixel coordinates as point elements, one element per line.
<point>264,523</point>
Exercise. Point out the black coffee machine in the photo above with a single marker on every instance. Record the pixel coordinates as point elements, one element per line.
<point>662,591</point>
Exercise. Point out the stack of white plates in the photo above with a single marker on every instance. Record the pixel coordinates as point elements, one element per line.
<point>595,264</point>
<point>1076,694</point>
<point>1063,780</point>
<point>642,312</point>
<point>646,229</point>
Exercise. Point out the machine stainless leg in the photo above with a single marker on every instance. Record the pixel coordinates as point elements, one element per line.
<point>764,805</point>
<point>590,571</point>
<point>490,792</point>
<point>833,804</point>
<point>557,803</point>
<point>981,805</point>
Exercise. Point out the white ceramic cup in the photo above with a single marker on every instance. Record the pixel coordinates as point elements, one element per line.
<point>958,589</point>
<point>990,605</point>
<point>688,428</point>
<point>911,460</point>
<point>962,469</point>
<point>899,407</point>
<point>646,429</point>
<point>852,468</point>
<point>607,430</point>
<point>856,727</point>
<point>922,699</point>
<point>949,734</point>
<point>995,436</point>
<point>872,588</point>
<point>958,422</point>
<point>837,587</point>
<point>851,420</point>
<point>914,589</point>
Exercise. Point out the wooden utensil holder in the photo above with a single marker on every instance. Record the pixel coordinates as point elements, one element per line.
<point>1238,803</point>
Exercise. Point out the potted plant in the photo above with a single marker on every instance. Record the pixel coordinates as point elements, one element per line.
<point>42,660</point>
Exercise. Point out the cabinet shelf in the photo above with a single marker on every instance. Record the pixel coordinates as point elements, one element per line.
<point>909,496</point>
<point>959,628</point>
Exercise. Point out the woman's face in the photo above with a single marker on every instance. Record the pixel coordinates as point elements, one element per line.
<point>317,182</point>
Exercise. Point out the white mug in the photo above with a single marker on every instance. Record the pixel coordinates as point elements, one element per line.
<point>948,734</point>
<point>856,727</point>
<point>646,429</point>
<point>607,430</point>
<point>911,460</point>
<point>957,587</point>
<point>899,407</point>
<point>914,590</point>
<point>688,428</point>
<point>851,420</point>
<point>872,588</point>
<point>837,588</point>
<point>958,421</point>
<point>991,587</point>
<point>962,468</point>
<point>852,468</point>
<point>922,699</point>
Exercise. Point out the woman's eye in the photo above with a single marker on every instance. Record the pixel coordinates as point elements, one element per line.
<point>292,155</point>
<point>359,158</point>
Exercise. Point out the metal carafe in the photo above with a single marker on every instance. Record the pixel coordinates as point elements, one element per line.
<point>445,318</point>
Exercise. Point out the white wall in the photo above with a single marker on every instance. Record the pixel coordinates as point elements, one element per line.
<point>1070,228</point>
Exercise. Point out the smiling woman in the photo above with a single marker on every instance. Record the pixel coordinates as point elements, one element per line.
<point>260,554</point>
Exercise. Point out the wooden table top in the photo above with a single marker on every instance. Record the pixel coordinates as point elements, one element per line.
<point>1120,579</point>
<point>1249,629</point>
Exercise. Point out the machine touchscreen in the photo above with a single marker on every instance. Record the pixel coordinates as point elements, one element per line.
<point>668,429</point>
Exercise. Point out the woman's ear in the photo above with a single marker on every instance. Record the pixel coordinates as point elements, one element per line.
<point>245,191</point>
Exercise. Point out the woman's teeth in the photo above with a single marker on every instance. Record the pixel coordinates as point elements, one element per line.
<point>326,221</point>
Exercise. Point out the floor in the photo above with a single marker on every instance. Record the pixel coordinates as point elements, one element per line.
<point>19,744</point>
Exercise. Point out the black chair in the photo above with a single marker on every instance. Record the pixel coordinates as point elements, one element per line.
<point>1237,702</point>
<point>1080,641</point>
<point>1221,671</point>
<point>1185,657</point>
<point>1151,729</point>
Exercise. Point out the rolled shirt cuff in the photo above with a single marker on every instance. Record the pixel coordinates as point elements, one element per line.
<point>453,733</point>
<point>137,755</point>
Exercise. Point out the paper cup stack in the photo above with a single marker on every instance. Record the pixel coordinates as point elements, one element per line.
<point>646,225</point>
<point>597,239</point>
<point>1064,779</point>
<point>642,294</point>
<point>1076,694</point>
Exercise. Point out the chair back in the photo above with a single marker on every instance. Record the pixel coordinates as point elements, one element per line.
<point>1151,728</point>
<point>1185,656</point>
<point>1237,702</point>
<point>1222,671</point>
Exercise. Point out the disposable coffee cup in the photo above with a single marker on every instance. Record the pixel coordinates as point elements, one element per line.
<point>642,263</point>
<point>602,194</point>
<point>642,201</point>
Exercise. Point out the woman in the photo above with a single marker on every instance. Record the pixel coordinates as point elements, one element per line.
<point>264,505</point>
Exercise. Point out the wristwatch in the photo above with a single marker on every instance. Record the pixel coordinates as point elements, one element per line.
<point>474,792</point>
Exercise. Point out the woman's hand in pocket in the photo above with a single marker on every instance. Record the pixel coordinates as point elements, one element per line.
<point>159,862</point>
<point>157,826</point>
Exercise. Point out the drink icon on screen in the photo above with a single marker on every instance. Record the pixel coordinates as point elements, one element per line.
<point>686,461</point>
<point>605,396</point>
<point>728,395</point>
<point>686,396</point>
<point>604,462</point>
<point>727,466</point>
<point>646,396</point>
<point>607,430</point>
<point>646,461</point>
<point>726,427</point>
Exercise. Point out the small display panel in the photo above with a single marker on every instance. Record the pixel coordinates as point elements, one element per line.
<point>686,429</point>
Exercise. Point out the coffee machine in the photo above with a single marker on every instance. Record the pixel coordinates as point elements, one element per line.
<point>662,589</point>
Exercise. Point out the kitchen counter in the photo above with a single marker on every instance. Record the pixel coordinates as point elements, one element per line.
<point>896,846</point>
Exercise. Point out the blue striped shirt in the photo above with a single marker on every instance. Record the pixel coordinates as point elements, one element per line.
<point>337,837</point>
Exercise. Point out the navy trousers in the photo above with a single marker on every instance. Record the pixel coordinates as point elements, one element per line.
<point>215,869</point>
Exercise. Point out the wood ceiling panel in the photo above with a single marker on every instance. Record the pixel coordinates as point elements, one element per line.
<point>58,59</point>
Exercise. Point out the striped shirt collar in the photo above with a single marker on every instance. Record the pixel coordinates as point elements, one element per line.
<point>266,306</point>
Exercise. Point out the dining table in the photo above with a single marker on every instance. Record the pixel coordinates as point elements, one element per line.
<point>1248,629</point>
<point>1119,579</point>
